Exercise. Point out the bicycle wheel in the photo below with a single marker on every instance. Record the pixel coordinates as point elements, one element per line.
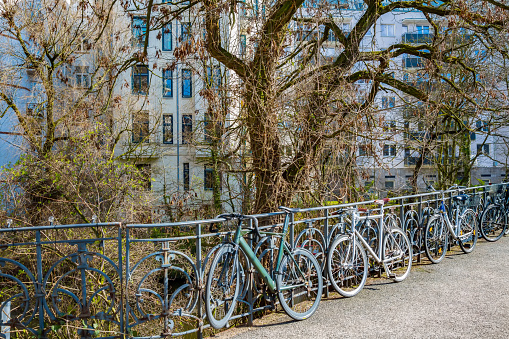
<point>493,223</point>
<point>347,266</point>
<point>435,239</point>
<point>468,231</point>
<point>412,230</point>
<point>223,286</point>
<point>397,254</point>
<point>299,284</point>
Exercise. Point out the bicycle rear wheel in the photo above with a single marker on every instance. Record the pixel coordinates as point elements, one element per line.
<point>300,284</point>
<point>435,239</point>
<point>493,223</point>
<point>347,266</point>
<point>223,286</point>
<point>397,252</point>
<point>468,231</point>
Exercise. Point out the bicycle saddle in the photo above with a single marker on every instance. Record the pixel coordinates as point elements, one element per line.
<point>461,197</point>
<point>382,202</point>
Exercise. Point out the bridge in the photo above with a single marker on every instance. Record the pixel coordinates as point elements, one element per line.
<point>116,280</point>
<point>465,296</point>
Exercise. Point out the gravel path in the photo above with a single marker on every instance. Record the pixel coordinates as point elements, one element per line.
<point>465,296</point>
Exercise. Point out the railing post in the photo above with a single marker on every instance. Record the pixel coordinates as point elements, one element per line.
<point>420,229</point>
<point>326,251</point>
<point>199,281</point>
<point>250,282</point>
<point>292,230</point>
<point>39,290</point>
<point>402,215</point>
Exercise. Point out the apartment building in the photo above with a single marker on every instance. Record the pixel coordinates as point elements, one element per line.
<point>165,113</point>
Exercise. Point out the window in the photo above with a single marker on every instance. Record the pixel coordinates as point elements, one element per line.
<point>145,172</point>
<point>139,27</point>
<point>389,185</point>
<point>388,102</point>
<point>82,76</point>
<point>207,125</point>
<point>214,77</point>
<point>242,47</point>
<point>186,176</point>
<point>140,126</point>
<point>185,32</point>
<point>83,45</point>
<point>387,30</point>
<point>167,83</point>
<point>483,149</point>
<point>140,79</point>
<point>167,38</point>
<point>364,150</point>
<point>187,85</point>
<point>422,29</point>
<point>208,177</point>
<point>187,128</point>
<point>482,126</point>
<point>389,150</point>
<point>167,129</point>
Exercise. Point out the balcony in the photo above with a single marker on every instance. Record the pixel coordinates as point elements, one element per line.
<point>413,62</point>
<point>417,38</point>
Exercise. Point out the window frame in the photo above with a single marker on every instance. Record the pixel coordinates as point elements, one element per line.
<point>186,176</point>
<point>187,128</point>
<point>167,35</point>
<point>165,79</point>
<point>139,33</point>
<point>385,33</point>
<point>141,121</point>
<point>137,77</point>
<point>82,72</point>
<point>187,76</point>
<point>185,34</point>
<point>168,125</point>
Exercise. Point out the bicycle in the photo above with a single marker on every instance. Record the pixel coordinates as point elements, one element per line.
<point>463,228</point>
<point>493,221</point>
<point>296,277</point>
<point>347,262</point>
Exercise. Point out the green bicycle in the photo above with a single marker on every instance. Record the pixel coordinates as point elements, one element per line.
<point>296,277</point>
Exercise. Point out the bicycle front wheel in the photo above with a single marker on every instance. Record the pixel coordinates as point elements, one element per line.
<point>223,286</point>
<point>468,231</point>
<point>347,266</point>
<point>435,239</point>
<point>299,284</point>
<point>493,223</point>
<point>397,252</point>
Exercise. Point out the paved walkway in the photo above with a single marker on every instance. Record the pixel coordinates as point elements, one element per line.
<point>465,296</point>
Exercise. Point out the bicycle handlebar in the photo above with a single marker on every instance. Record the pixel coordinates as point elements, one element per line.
<point>240,217</point>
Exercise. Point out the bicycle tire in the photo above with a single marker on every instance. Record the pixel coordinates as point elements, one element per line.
<point>435,239</point>
<point>396,245</point>
<point>468,229</point>
<point>493,223</point>
<point>347,278</point>
<point>223,275</point>
<point>302,301</point>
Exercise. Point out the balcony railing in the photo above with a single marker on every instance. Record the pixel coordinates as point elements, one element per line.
<point>413,62</point>
<point>417,38</point>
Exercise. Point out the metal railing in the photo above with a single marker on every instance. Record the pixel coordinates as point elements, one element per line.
<point>109,280</point>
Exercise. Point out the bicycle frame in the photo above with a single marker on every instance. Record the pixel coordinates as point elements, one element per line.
<point>381,231</point>
<point>453,230</point>
<point>240,241</point>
